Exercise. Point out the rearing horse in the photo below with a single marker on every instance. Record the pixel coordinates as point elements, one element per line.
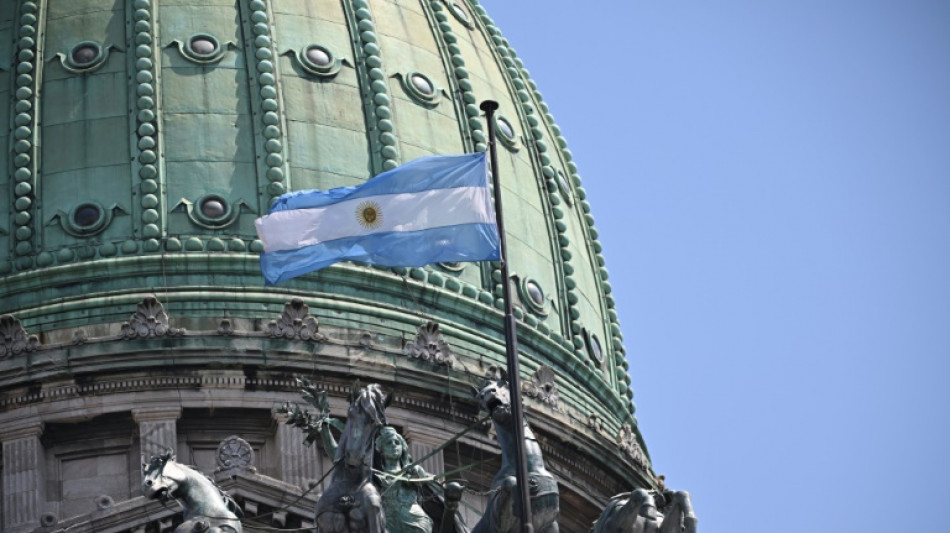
<point>206,508</point>
<point>501,515</point>
<point>352,504</point>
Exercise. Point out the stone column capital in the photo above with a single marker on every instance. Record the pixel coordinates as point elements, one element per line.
<point>20,430</point>
<point>156,414</point>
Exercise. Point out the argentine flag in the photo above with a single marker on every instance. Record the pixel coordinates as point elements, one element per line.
<point>432,209</point>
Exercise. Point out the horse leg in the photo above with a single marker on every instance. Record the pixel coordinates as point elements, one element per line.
<point>499,514</point>
<point>680,516</point>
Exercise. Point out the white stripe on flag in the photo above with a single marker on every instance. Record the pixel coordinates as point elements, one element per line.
<point>292,229</point>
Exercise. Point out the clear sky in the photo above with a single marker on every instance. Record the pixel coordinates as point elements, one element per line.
<point>771,183</point>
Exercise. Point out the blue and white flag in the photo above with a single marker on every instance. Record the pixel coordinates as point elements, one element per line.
<point>433,209</point>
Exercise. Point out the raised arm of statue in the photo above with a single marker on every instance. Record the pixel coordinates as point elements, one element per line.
<point>329,442</point>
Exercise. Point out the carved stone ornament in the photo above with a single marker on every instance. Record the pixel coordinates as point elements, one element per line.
<point>542,386</point>
<point>430,346</point>
<point>14,340</point>
<point>226,328</point>
<point>595,422</point>
<point>235,453</point>
<point>627,440</point>
<point>295,322</point>
<point>80,337</point>
<point>149,320</point>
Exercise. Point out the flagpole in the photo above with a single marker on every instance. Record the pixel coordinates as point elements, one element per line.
<point>511,335</point>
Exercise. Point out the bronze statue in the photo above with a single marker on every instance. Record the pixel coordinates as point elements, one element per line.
<point>206,508</point>
<point>394,475</point>
<point>637,512</point>
<point>352,502</point>
<point>501,514</point>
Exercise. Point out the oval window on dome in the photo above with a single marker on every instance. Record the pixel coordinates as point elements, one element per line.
<point>564,187</point>
<point>420,87</point>
<point>214,207</point>
<point>532,295</point>
<point>319,60</point>
<point>319,56</point>
<point>459,13</point>
<point>506,132</point>
<point>212,211</point>
<point>85,56</point>
<point>203,48</point>
<point>594,348</point>
<point>87,215</point>
<point>505,128</point>
<point>87,218</point>
<point>422,84</point>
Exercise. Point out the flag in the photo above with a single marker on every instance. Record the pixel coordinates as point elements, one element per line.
<point>432,209</point>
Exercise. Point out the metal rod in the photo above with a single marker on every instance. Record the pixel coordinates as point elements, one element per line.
<point>511,335</point>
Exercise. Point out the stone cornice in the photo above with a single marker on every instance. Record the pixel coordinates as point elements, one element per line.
<point>156,414</point>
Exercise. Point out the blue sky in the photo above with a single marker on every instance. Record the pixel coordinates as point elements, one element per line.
<point>771,183</point>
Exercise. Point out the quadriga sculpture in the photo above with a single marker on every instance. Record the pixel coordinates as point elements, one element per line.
<point>206,508</point>
<point>411,502</point>
<point>501,514</point>
<point>636,512</point>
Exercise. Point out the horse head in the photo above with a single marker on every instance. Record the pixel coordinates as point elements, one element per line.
<point>366,414</point>
<point>158,484</point>
<point>495,398</point>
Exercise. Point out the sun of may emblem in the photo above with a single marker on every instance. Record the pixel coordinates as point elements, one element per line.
<point>369,214</point>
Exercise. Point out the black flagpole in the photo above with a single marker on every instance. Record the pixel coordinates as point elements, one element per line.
<point>511,335</point>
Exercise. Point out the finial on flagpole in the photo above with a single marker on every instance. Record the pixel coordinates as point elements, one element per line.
<point>488,106</point>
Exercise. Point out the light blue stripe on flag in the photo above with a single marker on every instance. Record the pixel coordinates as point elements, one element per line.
<point>433,209</point>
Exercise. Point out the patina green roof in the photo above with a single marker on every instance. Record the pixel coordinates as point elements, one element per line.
<point>147,136</point>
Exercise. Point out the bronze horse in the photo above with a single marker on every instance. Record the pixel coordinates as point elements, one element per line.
<point>636,512</point>
<point>206,508</point>
<point>352,503</point>
<point>501,515</point>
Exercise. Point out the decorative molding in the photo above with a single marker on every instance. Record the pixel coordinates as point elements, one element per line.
<point>295,322</point>
<point>149,320</point>
<point>430,346</point>
<point>67,221</point>
<point>80,337</point>
<point>188,51</point>
<point>235,453</point>
<point>22,430</point>
<point>595,422</point>
<point>156,414</point>
<point>148,147</point>
<point>25,134</point>
<point>14,340</point>
<point>104,502</point>
<point>70,64</point>
<point>627,440</point>
<point>542,386</point>
<point>226,328</point>
<point>327,68</point>
<point>232,211</point>
<point>368,56</point>
<point>264,70</point>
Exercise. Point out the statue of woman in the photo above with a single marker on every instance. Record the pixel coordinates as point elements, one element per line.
<point>404,514</point>
<point>400,497</point>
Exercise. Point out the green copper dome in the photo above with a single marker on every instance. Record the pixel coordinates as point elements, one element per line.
<point>145,136</point>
